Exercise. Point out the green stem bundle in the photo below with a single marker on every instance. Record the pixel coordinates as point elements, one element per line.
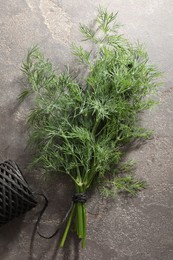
<point>78,214</point>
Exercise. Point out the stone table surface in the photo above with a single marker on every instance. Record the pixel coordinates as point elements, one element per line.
<point>123,229</point>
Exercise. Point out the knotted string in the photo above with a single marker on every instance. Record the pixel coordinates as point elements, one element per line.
<point>76,198</point>
<point>79,197</point>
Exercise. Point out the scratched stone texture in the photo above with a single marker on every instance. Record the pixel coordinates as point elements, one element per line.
<point>123,229</point>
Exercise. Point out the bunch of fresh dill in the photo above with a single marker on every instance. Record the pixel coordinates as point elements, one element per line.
<point>80,127</point>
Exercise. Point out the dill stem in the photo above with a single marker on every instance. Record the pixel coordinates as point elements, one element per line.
<point>84,226</point>
<point>96,124</point>
<point>67,227</point>
<point>80,220</point>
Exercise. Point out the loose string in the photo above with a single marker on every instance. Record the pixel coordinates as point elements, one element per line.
<point>76,198</point>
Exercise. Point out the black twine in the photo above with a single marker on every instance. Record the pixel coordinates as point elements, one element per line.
<point>77,197</point>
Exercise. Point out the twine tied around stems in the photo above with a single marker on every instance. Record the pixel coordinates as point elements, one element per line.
<point>77,197</point>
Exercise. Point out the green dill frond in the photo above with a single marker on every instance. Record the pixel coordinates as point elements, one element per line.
<point>127,185</point>
<point>24,95</point>
<point>106,20</point>
<point>88,33</point>
<point>82,55</point>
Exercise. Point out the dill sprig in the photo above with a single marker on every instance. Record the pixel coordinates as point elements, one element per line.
<point>79,129</point>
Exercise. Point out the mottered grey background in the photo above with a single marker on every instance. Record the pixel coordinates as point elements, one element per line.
<point>123,229</point>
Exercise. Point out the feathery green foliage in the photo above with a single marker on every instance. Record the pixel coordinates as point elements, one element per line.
<point>80,129</point>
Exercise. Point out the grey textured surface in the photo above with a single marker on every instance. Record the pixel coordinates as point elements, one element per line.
<point>124,229</point>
